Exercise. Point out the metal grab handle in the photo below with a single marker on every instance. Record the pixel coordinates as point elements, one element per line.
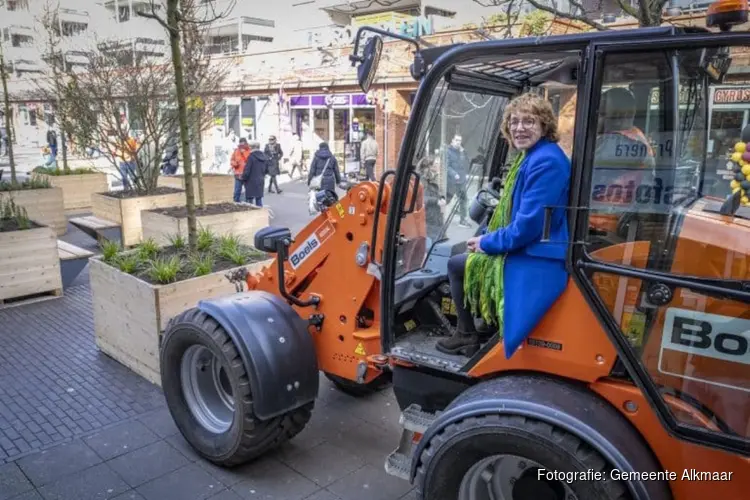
<point>413,204</point>
<point>379,202</point>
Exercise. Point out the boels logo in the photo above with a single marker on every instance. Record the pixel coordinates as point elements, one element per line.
<point>298,257</point>
<point>311,244</point>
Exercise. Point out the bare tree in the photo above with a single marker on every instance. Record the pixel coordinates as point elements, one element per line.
<point>116,82</point>
<point>646,12</point>
<point>203,76</point>
<point>174,22</point>
<point>7,111</point>
<point>52,87</point>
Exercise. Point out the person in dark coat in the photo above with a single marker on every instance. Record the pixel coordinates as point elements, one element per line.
<point>331,174</point>
<point>253,176</point>
<point>457,164</point>
<point>274,154</point>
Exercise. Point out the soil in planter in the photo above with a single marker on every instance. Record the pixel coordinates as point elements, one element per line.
<point>125,194</point>
<point>211,209</point>
<point>186,271</point>
<point>9,225</point>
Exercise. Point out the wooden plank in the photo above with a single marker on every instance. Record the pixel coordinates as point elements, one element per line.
<point>29,263</point>
<point>217,188</point>
<point>106,207</point>
<point>31,299</point>
<point>44,206</point>
<point>77,189</point>
<point>132,229</point>
<point>125,318</point>
<point>243,224</point>
<point>72,250</point>
<point>130,314</point>
<point>94,222</point>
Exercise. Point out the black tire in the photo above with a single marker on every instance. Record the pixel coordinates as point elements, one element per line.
<point>248,437</point>
<point>452,453</point>
<point>359,390</point>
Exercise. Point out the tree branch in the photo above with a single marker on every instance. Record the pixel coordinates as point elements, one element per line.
<point>572,17</point>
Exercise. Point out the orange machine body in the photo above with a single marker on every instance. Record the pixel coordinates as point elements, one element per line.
<point>323,262</point>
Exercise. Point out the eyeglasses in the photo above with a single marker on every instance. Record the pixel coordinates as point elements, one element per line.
<point>527,122</point>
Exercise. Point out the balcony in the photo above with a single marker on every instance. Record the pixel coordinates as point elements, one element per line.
<point>361,7</point>
<point>22,53</point>
<point>73,16</point>
<point>21,18</point>
<point>147,28</point>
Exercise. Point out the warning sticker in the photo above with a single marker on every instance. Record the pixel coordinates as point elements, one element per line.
<point>311,244</point>
<point>360,350</point>
<point>340,210</point>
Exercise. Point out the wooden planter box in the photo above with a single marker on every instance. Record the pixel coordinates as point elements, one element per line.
<point>130,315</point>
<point>127,211</point>
<point>44,206</point>
<point>29,264</point>
<point>245,224</point>
<point>78,188</point>
<point>217,188</point>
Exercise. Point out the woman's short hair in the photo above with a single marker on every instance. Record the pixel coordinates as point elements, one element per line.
<point>534,105</point>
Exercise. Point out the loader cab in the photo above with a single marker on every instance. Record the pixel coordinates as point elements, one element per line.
<point>660,238</point>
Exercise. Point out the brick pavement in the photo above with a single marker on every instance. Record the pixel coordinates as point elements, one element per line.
<point>76,425</point>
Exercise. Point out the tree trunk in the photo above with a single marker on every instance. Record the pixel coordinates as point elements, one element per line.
<point>198,141</point>
<point>179,82</point>
<point>8,118</point>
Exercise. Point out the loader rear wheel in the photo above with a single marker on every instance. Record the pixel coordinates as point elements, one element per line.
<point>499,457</point>
<point>208,394</point>
<point>359,390</point>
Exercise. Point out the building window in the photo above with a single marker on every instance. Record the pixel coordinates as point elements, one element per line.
<point>14,5</point>
<point>72,29</point>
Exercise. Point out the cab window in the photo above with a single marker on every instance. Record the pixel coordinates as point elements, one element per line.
<point>658,180</point>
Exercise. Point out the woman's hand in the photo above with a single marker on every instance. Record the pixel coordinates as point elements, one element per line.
<point>473,245</point>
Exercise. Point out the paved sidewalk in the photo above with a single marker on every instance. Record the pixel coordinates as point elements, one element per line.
<point>76,425</point>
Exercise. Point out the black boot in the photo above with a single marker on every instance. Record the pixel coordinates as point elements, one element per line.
<point>459,343</point>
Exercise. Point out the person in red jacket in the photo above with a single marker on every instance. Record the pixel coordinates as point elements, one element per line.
<point>238,161</point>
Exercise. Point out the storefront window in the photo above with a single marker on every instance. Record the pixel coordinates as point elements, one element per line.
<point>321,126</point>
<point>340,133</point>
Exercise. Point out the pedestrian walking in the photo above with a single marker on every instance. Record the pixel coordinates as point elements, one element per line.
<point>369,153</point>
<point>3,141</point>
<point>238,162</point>
<point>273,153</point>
<point>52,145</point>
<point>295,157</point>
<point>324,170</point>
<point>457,165</point>
<point>127,151</point>
<point>253,175</point>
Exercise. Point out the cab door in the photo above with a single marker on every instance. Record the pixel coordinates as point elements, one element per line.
<point>667,274</point>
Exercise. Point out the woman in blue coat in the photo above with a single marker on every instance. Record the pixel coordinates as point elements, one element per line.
<point>509,277</point>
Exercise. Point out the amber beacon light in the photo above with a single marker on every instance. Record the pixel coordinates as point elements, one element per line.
<point>727,13</point>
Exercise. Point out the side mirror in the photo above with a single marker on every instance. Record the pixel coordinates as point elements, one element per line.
<point>370,60</point>
<point>268,238</point>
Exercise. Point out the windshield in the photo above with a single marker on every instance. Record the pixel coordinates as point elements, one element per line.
<point>454,150</point>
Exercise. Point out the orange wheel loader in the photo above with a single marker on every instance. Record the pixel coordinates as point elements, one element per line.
<point>636,382</point>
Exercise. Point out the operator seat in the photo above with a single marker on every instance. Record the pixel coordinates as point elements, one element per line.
<point>623,160</point>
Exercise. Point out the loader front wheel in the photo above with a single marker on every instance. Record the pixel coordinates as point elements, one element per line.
<point>513,458</point>
<point>208,394</point>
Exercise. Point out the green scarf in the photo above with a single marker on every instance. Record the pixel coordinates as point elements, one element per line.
<point>483,278</point>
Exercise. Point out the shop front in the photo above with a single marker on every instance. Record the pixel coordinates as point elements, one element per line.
<point>341,120</point>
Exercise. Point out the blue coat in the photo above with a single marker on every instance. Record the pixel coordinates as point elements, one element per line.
<point>535,274</point>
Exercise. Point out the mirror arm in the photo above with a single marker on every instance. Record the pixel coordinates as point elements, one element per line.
<point>354,58</point>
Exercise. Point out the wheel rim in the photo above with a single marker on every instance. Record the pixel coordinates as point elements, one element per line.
<point>508,477</point>
<point>207,390</point>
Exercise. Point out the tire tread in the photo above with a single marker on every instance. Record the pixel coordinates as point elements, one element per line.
<point>259,437</point>
<point>586,455</point>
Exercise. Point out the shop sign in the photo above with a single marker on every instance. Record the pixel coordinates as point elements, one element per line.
<point>337,100</point>
<point>402,24</point>
<point>739,95</point>
<point>684,96</point>
<point>247,122</point>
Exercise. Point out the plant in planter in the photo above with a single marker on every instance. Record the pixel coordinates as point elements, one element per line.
<point>136,292</point>
<point>77,184</point>
<point>29,263</point>
<point>43,202</point>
